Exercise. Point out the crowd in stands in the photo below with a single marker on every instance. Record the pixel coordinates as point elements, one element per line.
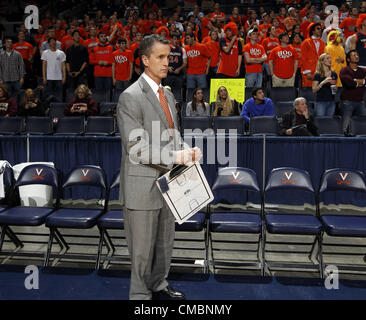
<point>291,44</point>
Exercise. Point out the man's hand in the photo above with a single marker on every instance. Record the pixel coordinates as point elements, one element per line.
<point>306,114</point>
<point>188,156</point>
<point>360,82</point>
<point>289,132</point>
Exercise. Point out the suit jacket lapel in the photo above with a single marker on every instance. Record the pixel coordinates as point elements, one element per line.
<point>153,100</point>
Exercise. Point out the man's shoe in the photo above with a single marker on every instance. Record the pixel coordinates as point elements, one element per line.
<point>168,293</point>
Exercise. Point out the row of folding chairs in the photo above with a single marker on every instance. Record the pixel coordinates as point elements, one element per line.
<point>57,109</point>
<point>269,125</point>
<point>94,125</point>
<point>265,222</point>
<point>60,215</point>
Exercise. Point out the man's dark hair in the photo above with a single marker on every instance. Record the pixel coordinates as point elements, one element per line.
<point>190,35</point>
<point>348,56</point>
<point>100,33</point>
<point>312,29</point>
<point>75,31</point>
<point>147,43</point>
<point>175,34</point>
<point>7,38</point>
<point>120,40</point>
<point>52,38</point>
<point>282,35</point>
<point>255,90</point>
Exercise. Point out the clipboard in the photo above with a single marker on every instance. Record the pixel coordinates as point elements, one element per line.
<point>185,190</point>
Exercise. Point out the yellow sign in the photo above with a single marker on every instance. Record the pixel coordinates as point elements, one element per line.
<point>235,88</point>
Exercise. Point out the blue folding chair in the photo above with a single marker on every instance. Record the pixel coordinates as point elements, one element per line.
<point>36,174</point>
<point>260,125</point>
<point>229,125</point>
<point>349,182</point>
<point>112,219</point>
<point>76,217</point>
<point>239,182</point>
<point>289,222</point>
<point>39,126</point>
<point>11,125</point>
<point>197,126</point>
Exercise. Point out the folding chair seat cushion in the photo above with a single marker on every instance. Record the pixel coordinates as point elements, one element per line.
<point>352,226</point>
<point>112,219</point>
<point>25,216</point>
<point>194,223</point>
<point>293,224</point>
<point>73,218</point>
<point>3,207</point>
<point>235,222</point>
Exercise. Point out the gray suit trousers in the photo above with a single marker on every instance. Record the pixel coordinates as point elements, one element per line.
<point>151,235</point>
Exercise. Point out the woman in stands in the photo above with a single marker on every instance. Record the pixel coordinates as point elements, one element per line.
<point>212,43</point>
<point>82,104</point>
<point>324,84</point>
<point>296,40</point>
<point>8,106</point>
<point>31,105</point>
<point>225,106</point>
<point>198,107</point>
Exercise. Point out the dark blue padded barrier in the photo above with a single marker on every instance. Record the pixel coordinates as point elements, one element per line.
<point>314,154</point>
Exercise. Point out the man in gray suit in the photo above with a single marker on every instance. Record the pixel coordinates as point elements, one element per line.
<point>148,124</point>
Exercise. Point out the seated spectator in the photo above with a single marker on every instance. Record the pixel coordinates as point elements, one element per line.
<point>198,107</point>
<point>31,105</point>
<point>258,105</point>
<point>8,106</point>
<point>82,104</point>
<point>324,85</point>
<point>297,121</point>
<point>225,106</point>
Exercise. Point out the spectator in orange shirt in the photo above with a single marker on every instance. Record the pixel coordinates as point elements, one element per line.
<point>206,24</point>
<point>255,55</point>
<point>235,17</point>
<point>199,60</point>
<point>27,52</point>
<point>40,36</point>
<point>122,65</point>
<point>281,17</point>
<point>296,40</point>
<point>276,24</point>
<point>101,58</point>
<point>291,20</point>
<point>269,44</point>
<point>59,31</point>
<point>214,47</point>
<point>304,11</point>
<point>349,24</point>
<point>217,14</point>
<point>283,62</point>
<point>264,26</point>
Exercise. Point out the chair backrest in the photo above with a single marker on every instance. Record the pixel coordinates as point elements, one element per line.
<point>100,96</point>
<point>100,126</point>
<point>38,174</point>
<point>236,178</point>
<point>358,126</point>
<point>289,178</point>
<point>107,108</point>
<point>307,93</point>
<point>329,126</point>
<point>342,179</point>
<point>39,125</point>
<point>70,126</point>
<point>263,125</point>
<point>283,94</point>
<point>281,107</point>
<point>115,181</point>
<point>226,123</point>
<point>57,109</point>
<point>86,175</point>
<point>199,123</point>
<point>11,125</point>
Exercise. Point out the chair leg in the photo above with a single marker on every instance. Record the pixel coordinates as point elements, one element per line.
<point>263,250</point>
<point>14,237</point>
<point>49,247</point>
<point>313,247</point>
<point>320,255</point>
<point>2,236</point>
<point>207,268</point>
<point>61,240</point>
<point>212,254</point>
<point>109,243</point>
<point>100,248</point>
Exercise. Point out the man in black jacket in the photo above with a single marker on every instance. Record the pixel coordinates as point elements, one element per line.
<point>298,122</point>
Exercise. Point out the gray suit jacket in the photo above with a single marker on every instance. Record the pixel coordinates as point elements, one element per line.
<point>141,121</point>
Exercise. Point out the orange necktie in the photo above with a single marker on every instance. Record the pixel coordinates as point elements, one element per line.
<point>164,104</point>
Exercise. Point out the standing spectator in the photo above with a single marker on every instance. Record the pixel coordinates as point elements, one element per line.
<point>231,52</point>
<point>269,44</point>
<point>122,65</point>
<point>264,26</point>
<point>291,20</point>
<point>213,46</point>
<point>82,103</point>
<point>336,52</point>
<point>199,60</point>
<point>206,24</point>
<point>283,62</point>
<point>27,52</point>
<point>8,106</point>
<point>217,15</point>
<point>224,105</point>
<point>12,69</point>
<point>296,40</point>
<point>298,121</point>
<point>54,69</point>
<point>311,49</point>
<point>357,41</point>
<point>275,23</point>
<point>349,24</point>
<point>31,105</point>
<point>258,105</point>
<point>353,81</point>
<point>101,58</point>
<point>40,36</point>
<point>177,64</point>
<point>198,107</point>
<point>324,79</point>
<point>77,59</point>
<point>254,55</point>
